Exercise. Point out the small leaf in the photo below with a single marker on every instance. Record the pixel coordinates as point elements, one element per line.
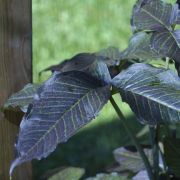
<point>152,93</point>
<point>78,62</point>
<point>153,15</point>
<point>172,154</point>
<point>178,17</point>
<point>70,173</point>
<point>82,61</point>
<point>85,62</point>
<point>178,2</point>
<point>167,44</point>
<point>111,55</point>
<point>177,66</point>
<point>22,98</point>
<point>130,161</point>
<point>99,70</point>
<point>62,105</point>
<point>140,48</point>
<point>142,175</point>
<point>103,176</point>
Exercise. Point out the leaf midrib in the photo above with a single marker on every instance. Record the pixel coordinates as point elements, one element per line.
<point>153,99</point>
<point>167,28</point>
<point>74,105</point>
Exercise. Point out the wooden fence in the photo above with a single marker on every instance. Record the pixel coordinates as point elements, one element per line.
<point>15,72</point>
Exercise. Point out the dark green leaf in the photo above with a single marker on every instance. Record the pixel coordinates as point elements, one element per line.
<point>142,175</point>
<point>172,154</point>
<point>82,61</point>
<point>177,66</point>
<point>78,62</point>
<point>85,62</point>
<point>112,176</point>
<point>130,161</point>
<point>22,98</point>
<point>140,48</point>
<point>167,44</point>
<point>99,70</point>
<point>153,15</point>
<point>111,55</point>
<point>178,18</point>
<point>152,93</point>
<point>70,173</point>
<point>62,105</point>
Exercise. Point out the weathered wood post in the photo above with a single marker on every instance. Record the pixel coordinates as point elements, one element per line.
<point>15,72</point>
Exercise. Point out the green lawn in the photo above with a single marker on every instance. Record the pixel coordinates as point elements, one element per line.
<point>61,29</point>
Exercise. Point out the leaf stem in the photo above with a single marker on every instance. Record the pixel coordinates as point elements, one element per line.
<point>133,138</point>
<point>167,63</point>
<point>155,149</point>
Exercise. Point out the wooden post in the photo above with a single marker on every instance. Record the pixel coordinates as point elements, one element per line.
<point>15,72</point>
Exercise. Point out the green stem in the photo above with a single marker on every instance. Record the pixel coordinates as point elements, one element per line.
<point>155,149</point>
<point>167,63</point>
<point>133,138</point>
<point>163,161</point>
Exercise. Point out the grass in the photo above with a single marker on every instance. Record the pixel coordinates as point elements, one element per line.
<point>62,29</point>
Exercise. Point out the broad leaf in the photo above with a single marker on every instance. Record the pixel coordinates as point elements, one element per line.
<point>178,17</point>
<point>152,93</point>
<point>130,161</point>
<point>140,48</point>
<point>167,44</point>
<point>70,173</point>
<point>65,103</point>
<point>172,154</point>
<point>22,98</point>
<point>153,15</point>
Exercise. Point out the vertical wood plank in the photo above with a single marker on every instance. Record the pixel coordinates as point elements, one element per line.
<point>15,72</point>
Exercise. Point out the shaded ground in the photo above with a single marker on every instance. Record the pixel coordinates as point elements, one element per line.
<point>91,148</point>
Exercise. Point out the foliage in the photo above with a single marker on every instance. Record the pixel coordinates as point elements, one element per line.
<point>130,161</point>
<point>112,176</point>
<point>82,85</point>
<point>172,154</point>
<point>70,173</point>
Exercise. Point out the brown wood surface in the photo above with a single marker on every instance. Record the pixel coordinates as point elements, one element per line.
<point>15,72</point>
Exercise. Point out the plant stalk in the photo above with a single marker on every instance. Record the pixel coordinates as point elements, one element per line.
<point>133,138</point>
<point>155,149</point>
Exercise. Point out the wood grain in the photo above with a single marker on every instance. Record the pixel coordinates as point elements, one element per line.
<point>15,72</point>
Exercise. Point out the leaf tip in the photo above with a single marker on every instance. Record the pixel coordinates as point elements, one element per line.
<point>15,163</point>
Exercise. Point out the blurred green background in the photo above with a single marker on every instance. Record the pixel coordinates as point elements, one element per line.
<point>61,29</point>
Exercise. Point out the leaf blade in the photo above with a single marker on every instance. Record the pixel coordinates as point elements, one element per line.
<point>152,93</point>
<point>22,98</point>
<point>172,155</point>
<point>140,48</point>
<point>66,102</point>
<point>153,15</point>
<point>167,43</point>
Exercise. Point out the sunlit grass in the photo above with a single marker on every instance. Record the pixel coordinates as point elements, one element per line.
<point>62,28</point>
